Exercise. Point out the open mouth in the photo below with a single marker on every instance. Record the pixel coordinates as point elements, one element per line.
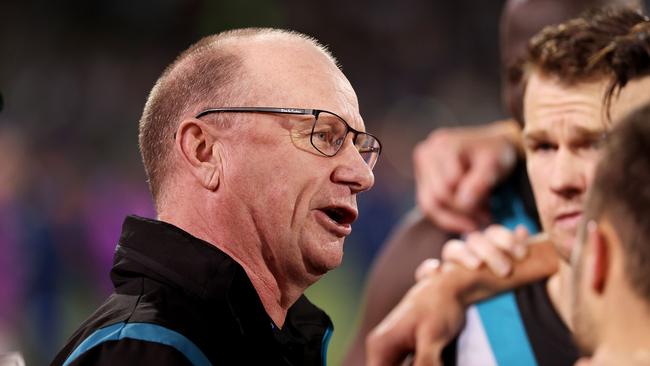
<point>341,215</point>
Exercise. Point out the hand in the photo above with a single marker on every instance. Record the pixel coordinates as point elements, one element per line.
<point>426,319</point>
<point>432,313</point>
<point>497,247</point>
<point>455,168</point>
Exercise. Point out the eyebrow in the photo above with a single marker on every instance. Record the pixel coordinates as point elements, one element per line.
<point>576,131</point>
<point>535,135</point>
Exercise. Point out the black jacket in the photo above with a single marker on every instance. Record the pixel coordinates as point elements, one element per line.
<point>179,300</point>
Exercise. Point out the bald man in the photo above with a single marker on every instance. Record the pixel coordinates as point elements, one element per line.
<point>255,152</point>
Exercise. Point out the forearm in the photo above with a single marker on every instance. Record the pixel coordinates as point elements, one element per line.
<point>470,286</point>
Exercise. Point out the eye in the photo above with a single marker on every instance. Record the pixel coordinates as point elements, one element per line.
<point>329,137</point>
<point>322,135</point>
<point>542,146</point>
<point>592,144</point>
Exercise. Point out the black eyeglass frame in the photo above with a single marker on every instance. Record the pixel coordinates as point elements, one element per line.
<point>302,112</point>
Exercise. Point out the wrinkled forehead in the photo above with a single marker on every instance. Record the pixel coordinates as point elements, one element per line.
<point>549,99</point>
<point>293,73</point>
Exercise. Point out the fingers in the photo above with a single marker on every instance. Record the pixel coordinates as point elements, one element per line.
<point>521,237</point>
<point>457,252</point>
<point>513,243</point>
<point>441,153</point>
<point>426,268</point>
<point>456,168</point>
<point>478,181</point>
<point>497,260</point>
<point>438,171</point>
<point>497,247</point>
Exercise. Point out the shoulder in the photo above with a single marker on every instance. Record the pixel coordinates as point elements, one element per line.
<point>135,343</point>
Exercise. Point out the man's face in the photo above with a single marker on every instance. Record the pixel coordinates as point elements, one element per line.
<point>299,203</point>
<point>562,135</point>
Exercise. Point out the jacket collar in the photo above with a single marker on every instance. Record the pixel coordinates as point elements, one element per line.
<point>168,254</point>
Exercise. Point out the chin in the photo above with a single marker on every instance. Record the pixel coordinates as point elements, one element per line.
<point>564,242</point>
<point>324,257</point>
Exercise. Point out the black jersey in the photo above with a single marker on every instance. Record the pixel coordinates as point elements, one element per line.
<point>518,328</point>
<point>181,301</point>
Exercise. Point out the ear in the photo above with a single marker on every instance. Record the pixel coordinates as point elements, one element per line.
<point>200,152</point>
<point>599,247</point>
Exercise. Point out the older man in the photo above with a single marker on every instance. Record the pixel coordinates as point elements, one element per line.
<point>255,153</point>
<point>611,275</point>
<point>570,69</point>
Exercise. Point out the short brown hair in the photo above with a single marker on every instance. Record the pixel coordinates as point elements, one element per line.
<point>520,21</point>
<point>208,74</point>
<point>621,192</point>
<point>609,42</point>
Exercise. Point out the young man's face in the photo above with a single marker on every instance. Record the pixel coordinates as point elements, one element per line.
<point>564,129</point>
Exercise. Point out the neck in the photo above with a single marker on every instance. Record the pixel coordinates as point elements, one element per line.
<point>624,328</point>
<point>559,291</point>
<point>607,355</point>
<point>244,246</point>
<point>275,298</point>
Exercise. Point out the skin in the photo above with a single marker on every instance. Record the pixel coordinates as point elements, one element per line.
<point>455,168</point>
<point>563,133</point>
<point>599,285</point>
<point>555,111</point>
<point>465,157</point>
<point>253,192</point>
<point>456,287</point>
<point>471,160</point>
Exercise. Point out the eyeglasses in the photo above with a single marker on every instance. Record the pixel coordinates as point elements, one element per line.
<point>326,134</point>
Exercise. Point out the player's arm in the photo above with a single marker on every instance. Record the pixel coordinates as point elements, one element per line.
<point>432,312</point>
<point>391,276</point>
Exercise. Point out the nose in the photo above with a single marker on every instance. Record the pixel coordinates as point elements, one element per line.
<point>352,170</point>
<point>568,176</point>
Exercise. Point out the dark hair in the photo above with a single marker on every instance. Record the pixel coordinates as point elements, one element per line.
<point>609,42</point>
<point>621,192</point>
<point>520,21</point>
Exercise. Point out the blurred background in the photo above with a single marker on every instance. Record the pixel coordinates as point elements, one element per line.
<point>75,75</point>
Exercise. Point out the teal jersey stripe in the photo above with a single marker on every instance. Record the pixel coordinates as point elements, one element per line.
<point>500,315</point>
<point>144,332</point>
<point>505,331</point>
<point>326,343</point>
<point>508,210</point>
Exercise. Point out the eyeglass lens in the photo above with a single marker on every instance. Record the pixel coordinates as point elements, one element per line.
<point>328,135</point>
